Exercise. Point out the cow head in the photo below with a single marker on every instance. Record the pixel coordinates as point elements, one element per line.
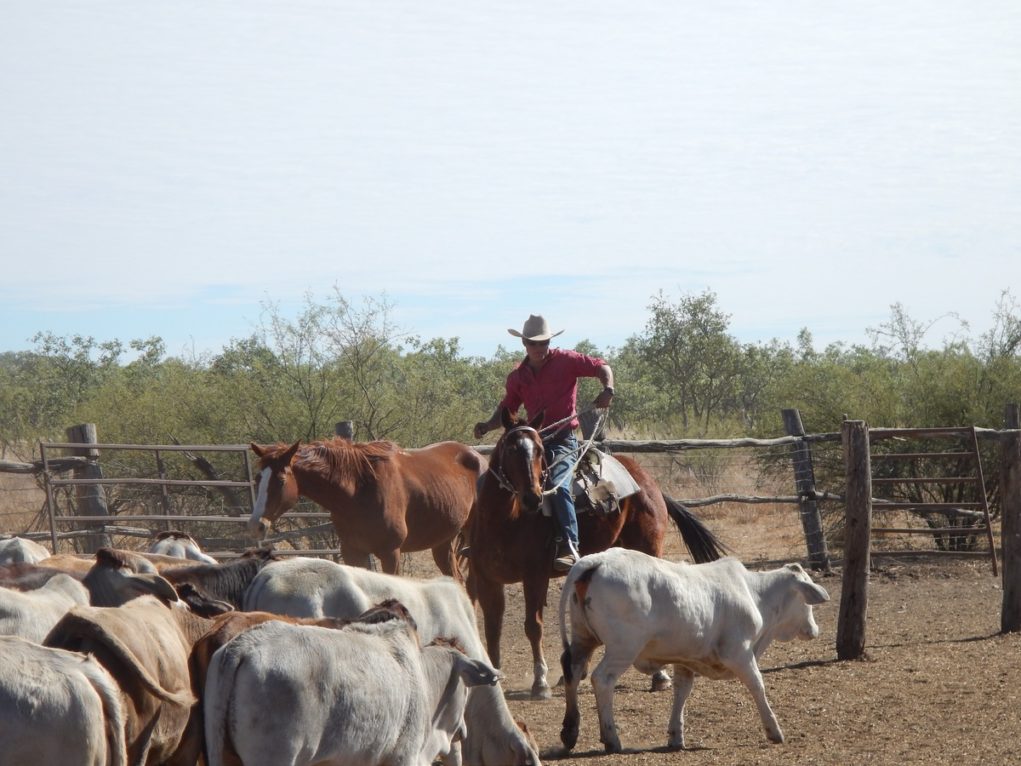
<point>798,620</point>
<point>119,576</point>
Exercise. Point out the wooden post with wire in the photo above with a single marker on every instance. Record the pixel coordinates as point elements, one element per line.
<point>804,484</point>
<point>854,600</point>
<point>1010,529</point>
<point>91,497</point>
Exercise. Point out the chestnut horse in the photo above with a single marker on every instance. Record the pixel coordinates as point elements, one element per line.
<point>382,499</point>
<point>512,541</point>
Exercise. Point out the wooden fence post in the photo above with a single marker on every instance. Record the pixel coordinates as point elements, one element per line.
<point>1010,530</point>
<point>91,497</point>
<point>804,484</point>
<point>854,599</point>
<point>345,429</point>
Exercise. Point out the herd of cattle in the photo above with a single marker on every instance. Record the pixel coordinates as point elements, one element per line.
<point>169,657</point>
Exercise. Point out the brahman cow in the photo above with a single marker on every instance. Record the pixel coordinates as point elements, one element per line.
<point>180,545</point>
<point>712,619</point>
<point>364,694</point>
<point>57,707</point>
<point>143,635</point>
<point>32,613</point>
<point>226,627</point>
<point>18,550</point>
<point>305,587</point>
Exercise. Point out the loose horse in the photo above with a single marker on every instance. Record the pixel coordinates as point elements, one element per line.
<point>512,541</point>
<point>382,499</point>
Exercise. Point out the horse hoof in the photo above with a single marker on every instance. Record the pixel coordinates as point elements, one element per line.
<point>611,747</point>
<point>661,683</point>
<point>569,736</point>
<point>541,692</point>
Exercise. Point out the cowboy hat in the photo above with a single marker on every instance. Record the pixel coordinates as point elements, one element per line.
<point>536,328</point>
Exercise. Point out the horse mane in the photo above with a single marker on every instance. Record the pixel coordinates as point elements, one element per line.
<point>344,460</point>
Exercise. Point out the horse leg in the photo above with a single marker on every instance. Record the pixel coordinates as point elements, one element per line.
<point>446,560</point>
<point>354,556</point>
<point>390,561</point>
<point>490,596</point>
<point>535,596</point>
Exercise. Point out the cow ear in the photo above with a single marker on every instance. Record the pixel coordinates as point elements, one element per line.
<point>813,594</point>
<point>200,603</point>
<point>475,672</point>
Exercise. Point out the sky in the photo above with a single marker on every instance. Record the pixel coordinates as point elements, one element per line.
<point>171,168</point>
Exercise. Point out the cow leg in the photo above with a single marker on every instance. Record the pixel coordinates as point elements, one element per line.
<point>535,595</point>
<point>604,680</point>
<point>574,663</point>
<point>684,679</point>
<point>748,673</point>
<point>491,600</point>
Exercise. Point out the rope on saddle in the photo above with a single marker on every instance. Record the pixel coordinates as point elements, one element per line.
<point>575,455</point>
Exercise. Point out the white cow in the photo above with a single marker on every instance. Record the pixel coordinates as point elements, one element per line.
<point>57,707</point>
<point>15,550</point>
<point>712,619</point>
<point>32,613</point>
<point>281,694</point>
<point>305,587</point>
<point>179,545</point>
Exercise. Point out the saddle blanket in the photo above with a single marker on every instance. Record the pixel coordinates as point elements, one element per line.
<point>600,483</point>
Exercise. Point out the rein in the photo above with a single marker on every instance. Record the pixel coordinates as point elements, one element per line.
<point>576,455</point>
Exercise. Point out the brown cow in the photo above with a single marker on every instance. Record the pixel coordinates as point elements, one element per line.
<point>144,641</point>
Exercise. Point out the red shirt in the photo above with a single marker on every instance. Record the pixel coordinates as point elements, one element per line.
<point>554,388</point>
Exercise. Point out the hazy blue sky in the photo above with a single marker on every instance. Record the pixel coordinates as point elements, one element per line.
<point>167,166</point>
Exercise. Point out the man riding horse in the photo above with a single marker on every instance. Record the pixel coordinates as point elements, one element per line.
<point>546,381</point>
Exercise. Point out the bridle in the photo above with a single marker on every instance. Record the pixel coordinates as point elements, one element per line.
<point>497,470</point>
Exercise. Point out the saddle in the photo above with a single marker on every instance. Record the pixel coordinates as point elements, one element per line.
<point>600,483</point>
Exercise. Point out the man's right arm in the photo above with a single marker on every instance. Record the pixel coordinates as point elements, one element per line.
<point>485,426</point>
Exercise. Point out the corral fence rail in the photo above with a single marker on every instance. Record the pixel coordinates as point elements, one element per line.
<point>90,523</point>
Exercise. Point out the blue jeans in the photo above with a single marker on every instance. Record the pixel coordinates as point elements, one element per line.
<point>563,447</point>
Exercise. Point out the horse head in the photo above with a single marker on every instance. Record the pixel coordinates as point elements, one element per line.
<point>277,487</point>
<point>518,461</point>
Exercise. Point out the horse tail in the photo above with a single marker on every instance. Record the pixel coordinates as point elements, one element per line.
<point>703,545</point>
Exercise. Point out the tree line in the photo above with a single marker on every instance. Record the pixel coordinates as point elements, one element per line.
<point>683,375</point>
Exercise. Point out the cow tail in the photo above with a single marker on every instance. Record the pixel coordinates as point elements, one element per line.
<point>700,541</point>
<point>84,630</point>
<point>575,587</point>
<point>113,711</point>
<point>217,699</point>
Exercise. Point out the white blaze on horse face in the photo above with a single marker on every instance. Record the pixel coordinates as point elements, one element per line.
<point>260,499</point>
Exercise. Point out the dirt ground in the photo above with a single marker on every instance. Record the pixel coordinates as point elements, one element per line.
<point>939,684</point>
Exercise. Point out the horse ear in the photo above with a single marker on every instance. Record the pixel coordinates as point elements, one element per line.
<point>289,455</point>
<point>260,451</point>
<point>536,422</point>
<point>506,419</point>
